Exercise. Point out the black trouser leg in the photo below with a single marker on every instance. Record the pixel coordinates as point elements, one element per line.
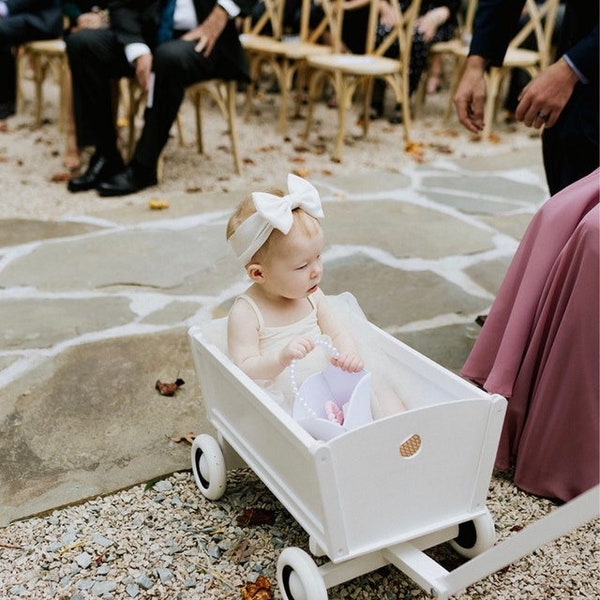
<point>176,65</point>
<point>95,58</point>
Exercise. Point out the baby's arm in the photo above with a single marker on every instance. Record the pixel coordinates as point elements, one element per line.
<point>330,325</point>
<point>243,345</point>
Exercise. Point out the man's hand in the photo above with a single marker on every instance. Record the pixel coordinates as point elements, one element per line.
<point>469,98</point>
<point>544,97</point>
<point>208,32</point>
<point>143,68</point>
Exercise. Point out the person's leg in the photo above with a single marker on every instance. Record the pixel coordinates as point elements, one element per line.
<point>570,147</point>
<point>95,59</point>
<point>176,65</point>
<point>13,31</point>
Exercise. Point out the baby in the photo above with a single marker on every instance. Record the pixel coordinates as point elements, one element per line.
<point>279,240</point>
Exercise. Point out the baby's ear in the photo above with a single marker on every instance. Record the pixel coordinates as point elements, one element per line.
<point>255,272</point>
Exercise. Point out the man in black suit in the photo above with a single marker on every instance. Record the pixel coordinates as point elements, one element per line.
<point>22,21</point>
<point>199,41</point>
<point>564,97</point>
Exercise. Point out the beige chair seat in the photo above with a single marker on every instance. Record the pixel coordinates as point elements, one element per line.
<point>357,64</point>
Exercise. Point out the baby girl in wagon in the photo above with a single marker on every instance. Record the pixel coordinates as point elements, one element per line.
<point>279,240</point>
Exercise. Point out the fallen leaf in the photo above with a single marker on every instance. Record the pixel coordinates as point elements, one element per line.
<point>298,159</point>
<point>158,204</point>
<point>186,437</point>
<point>442,148</point>
<point>259,590</point>
<point>415,150</point>
<point>301,148</point>
<point>302,172</point>
<point>192,189</point>
<point>240,552</point>
<point>60,177</point>
<point>255,516</point>
<point>326,172</point>
<point>494,138</point>
<point>248,161</point>
<point>168,388</point>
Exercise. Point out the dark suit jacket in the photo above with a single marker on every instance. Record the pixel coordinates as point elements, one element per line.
<point>44,16</point>
<point>496,22</point>
<point>137,21</point>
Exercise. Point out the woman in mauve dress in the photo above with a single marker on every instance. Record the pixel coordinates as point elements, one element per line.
<point>539,348</point>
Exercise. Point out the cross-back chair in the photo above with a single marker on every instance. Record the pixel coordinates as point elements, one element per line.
<point>540,23</point>
<point>347,71</point>
<point>222,92</point>
<point>46,56</point>
<point>287,55</point>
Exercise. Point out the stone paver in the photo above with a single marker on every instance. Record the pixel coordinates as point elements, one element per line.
<point>92,313</point>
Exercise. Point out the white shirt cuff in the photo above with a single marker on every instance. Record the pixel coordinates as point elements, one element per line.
<point>575,70</point>
<point>230,7</point>
<point>3,9</point>
<point>135,50</point>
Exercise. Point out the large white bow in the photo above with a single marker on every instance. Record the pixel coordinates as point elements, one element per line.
<point>274,212</point>
<point>278,211</point>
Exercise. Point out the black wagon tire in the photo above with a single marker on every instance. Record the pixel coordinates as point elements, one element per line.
<point>208,466</point>
<point>298,576</point>
<point>476,536</point>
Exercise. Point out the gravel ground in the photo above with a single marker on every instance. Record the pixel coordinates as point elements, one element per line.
<point>164,540</point>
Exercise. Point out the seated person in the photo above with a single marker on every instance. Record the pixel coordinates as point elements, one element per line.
<point>167,48</point>
<point>22,21</point>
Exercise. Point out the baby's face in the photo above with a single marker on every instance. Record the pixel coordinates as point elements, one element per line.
<point>295,268</point>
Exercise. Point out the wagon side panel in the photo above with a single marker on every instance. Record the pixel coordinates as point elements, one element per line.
<point>249,421</point>
<point>410,474</point>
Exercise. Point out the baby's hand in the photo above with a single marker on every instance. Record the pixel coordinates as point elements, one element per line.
<point>348,362</point>
<point>298,348</point>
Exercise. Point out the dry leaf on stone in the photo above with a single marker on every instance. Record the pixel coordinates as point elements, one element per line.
<point>248,161</point>
<point>301,172</point>
<point>158,204</point>
<point>168,388</point>
<point>192,189</point>
<point>494,138</point>
<point>255,516</point>
<point>259,590</point>
<point>298,159</point>
<point>186,437</point>
<point>60,177</point>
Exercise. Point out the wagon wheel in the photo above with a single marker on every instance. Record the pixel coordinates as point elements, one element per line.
<point>476,536</point>
<point>298,576</point>
<point>208,466</point>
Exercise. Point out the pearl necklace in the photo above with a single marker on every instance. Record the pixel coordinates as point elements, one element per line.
<point>325,342</point>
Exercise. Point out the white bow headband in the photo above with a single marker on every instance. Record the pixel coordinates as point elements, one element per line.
<point>274,212</point>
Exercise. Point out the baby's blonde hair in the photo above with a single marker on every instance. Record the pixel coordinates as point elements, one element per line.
<point>245,209</point>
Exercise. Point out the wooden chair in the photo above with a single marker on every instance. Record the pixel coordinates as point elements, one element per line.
<point>222,92</point>
<point>286,55</point>
<point>347,71</point>
<point>45,56</point>
<point>541,19</point>
<point>450,48</point>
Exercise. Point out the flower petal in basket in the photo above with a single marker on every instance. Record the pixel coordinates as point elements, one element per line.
<point>350,391</point>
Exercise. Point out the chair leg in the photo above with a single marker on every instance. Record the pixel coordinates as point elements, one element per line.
<point>313,82</point>
<point>197,99</point>
<point>231,112</point>
<point>38,78</point>
<point>493,89</point>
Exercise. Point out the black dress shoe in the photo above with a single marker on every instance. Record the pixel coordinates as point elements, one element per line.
<point>99,169</point>
<point>128,181</point>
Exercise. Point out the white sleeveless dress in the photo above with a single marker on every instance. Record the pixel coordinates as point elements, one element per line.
<point>273,339</point>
